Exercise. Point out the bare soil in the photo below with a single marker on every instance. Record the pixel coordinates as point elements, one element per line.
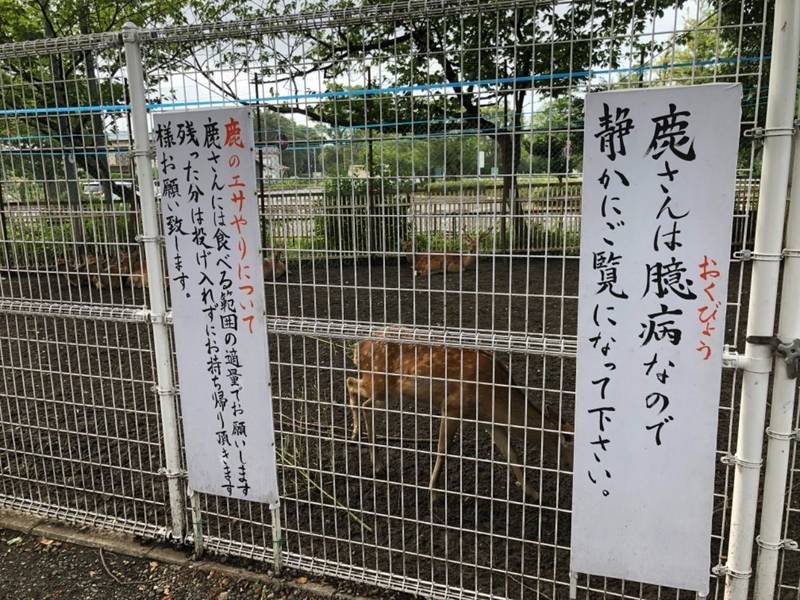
<point>33,567</point>
<point>79,414</point>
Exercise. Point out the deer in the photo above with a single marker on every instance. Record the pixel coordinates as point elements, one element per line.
<point>130,268</point>
<point>101,273</point>
<point>79,270</point>
<point>114,271</point>
<point>72,270</point>
<point>274,267</point>
<point>461,384</point>
<point>137,276</point>
<point>432,263</point>
<point>457,262</point>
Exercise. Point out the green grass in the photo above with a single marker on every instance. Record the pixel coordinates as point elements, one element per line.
<point>43,239</point>
<point>274,185</point>
<point>456,185</point>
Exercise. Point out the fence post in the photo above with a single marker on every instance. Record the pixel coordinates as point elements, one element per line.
<point>277,540</point>
<point>784,388</point>
<point>152,245</point>
<point>763,295</point>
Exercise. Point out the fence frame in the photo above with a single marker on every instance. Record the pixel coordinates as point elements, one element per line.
<point>151,238</point>
<point>784,389</point>
<point>779,135</point>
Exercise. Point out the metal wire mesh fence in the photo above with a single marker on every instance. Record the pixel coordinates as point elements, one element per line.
<point>80,428</point>
<point>419,178</point>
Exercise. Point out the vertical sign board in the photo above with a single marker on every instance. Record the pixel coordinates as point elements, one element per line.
<point>210,218</point>
<point>658,190</point>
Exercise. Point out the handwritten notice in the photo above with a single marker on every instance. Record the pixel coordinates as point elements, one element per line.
<point>658,191</point>
<point>208,201</point>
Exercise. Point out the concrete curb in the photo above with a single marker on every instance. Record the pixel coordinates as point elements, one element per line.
<point>120,543</point>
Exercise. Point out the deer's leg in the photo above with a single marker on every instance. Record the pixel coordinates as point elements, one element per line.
<point>542,431</point>
<point>448,427</point>
<point>369,423</point>
<point>361,400</point>
<point>354,393</point>
<point>501,439</point>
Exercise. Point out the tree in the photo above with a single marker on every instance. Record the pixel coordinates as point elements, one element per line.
<point>557,137</point>
<point>715,46</point>
<point>503,49</point>
<point>65,143</point>
<point>471,74</point>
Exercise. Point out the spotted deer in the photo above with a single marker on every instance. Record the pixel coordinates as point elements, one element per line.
<point>460,384</point>
<point>432,263</point>
<point>274,267</point>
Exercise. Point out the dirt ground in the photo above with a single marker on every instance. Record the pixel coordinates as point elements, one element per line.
<point>34,567</point>
<point>481,535</point>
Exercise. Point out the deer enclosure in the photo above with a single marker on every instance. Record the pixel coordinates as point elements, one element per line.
<point>419,183</point>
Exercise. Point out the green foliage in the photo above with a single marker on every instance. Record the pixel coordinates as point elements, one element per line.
<point>555,239</point>
<point>557,144</point>
<point>299,144</point>
<point>704,43</point>
<point>362,215</point>
<point>494,46</point>
<point>385,185</point>
<point>439,242</point>
<point>38,240</point>
<point>527,187</point>
<point>86,78</point>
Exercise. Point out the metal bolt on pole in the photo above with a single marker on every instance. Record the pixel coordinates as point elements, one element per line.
<point>158,305</point>
<point>763,295</point>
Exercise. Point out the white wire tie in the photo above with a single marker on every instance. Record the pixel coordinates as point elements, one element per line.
<point>158,318</point>
<point>149,238</point>
<point>725,570</point>
<point>762,132</point>
<point>745,255</point>
<point>164,391</point>
<point>781,435</point>
<point>732,459</point>
<point>136,152</point>
<point>731,359</point>
<point>179,474</point>
<point>779,545</point>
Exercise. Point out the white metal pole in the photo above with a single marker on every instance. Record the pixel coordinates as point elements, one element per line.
<point>779,432</point>
<point>277,540</point>
<point>763,295</point>
<point>158,306</point>
<point>197,523</point>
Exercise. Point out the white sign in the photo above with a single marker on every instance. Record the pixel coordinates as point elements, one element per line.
<point>481,159</point>
<point>658,191</point>
<point>210,210</point>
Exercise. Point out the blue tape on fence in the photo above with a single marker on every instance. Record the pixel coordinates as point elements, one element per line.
<point>402,89</point>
